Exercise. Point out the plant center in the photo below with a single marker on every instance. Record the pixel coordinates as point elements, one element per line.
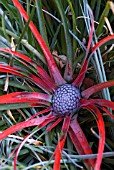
<point>66,100</point>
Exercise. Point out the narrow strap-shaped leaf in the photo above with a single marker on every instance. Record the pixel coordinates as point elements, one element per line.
<point>80,142</point>
<point>101,128</point>
<point>9,69</point>
<point>88,92</point>
<point>107,112</point>
<point>25,97</point>
<point>50,60</point>
<point>100,102</point>
<point>41,21</point>
<point>78,81</point>
<point>68,74</point>
<point>41,112</point>
<point>40,71</point>
<point>40,83</point>
<point>18,150</point>
<point>61,143</point>
<point>18,72</point>
<point>91,32</point>
<point>74,44</point>
<point>101,42</point>
<point>68,70</point>
<point>101,19</point>
<point>55,124</point>
<point>28,123</point>
<point>83,70</point>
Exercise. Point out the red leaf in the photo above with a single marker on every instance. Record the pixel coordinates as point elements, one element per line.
<point>55,124</point>
<point>100,102</point>
<point>68,75</point>
<point>78,81</point>
<point>80,142</point>
<point>18,150</point>
<point>101,42</point>
<point>91,32</point>
<point>44,85</point>
<point>83,70</point>
<point>36,80</point>
<point>41,112</point>
<point>32,122</point>
<point>44,123</point>
<point>61,142</point>
<point>9,69</point>
<point>22,56</point>
<point>108,113</point>
<point>41,83</point>
<point>101,128</point>
<point>50,60</point>
<point>88,92</point>
<point>25,97</point>
<point>41,72</point>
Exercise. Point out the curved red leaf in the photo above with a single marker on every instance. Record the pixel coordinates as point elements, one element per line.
<point>18,150</point>
<point>100,102</point>
<point>9,69</point>
<point>61,142</point>
<point>55,123</point>
<point>36,80</point>
<point>78,81</point>
<point>101,128</point>
<point>41,112</point>
<point>107,112</point>
<point>41,122</point>
<point>25,97</point>
<point>50,60</point>
<point>83,70</point>
<point>80,142</point>
<point>88,92</point>
<point>101,42</point>
<point>40,71</point>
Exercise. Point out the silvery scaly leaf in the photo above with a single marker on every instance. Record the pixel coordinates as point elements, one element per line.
<point>8,23</point>
<point>4,42</point>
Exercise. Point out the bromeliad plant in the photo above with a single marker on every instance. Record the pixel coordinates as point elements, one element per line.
<point>61,99</point>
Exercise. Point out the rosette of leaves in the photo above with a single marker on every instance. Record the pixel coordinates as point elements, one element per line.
<point>56,91</point>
